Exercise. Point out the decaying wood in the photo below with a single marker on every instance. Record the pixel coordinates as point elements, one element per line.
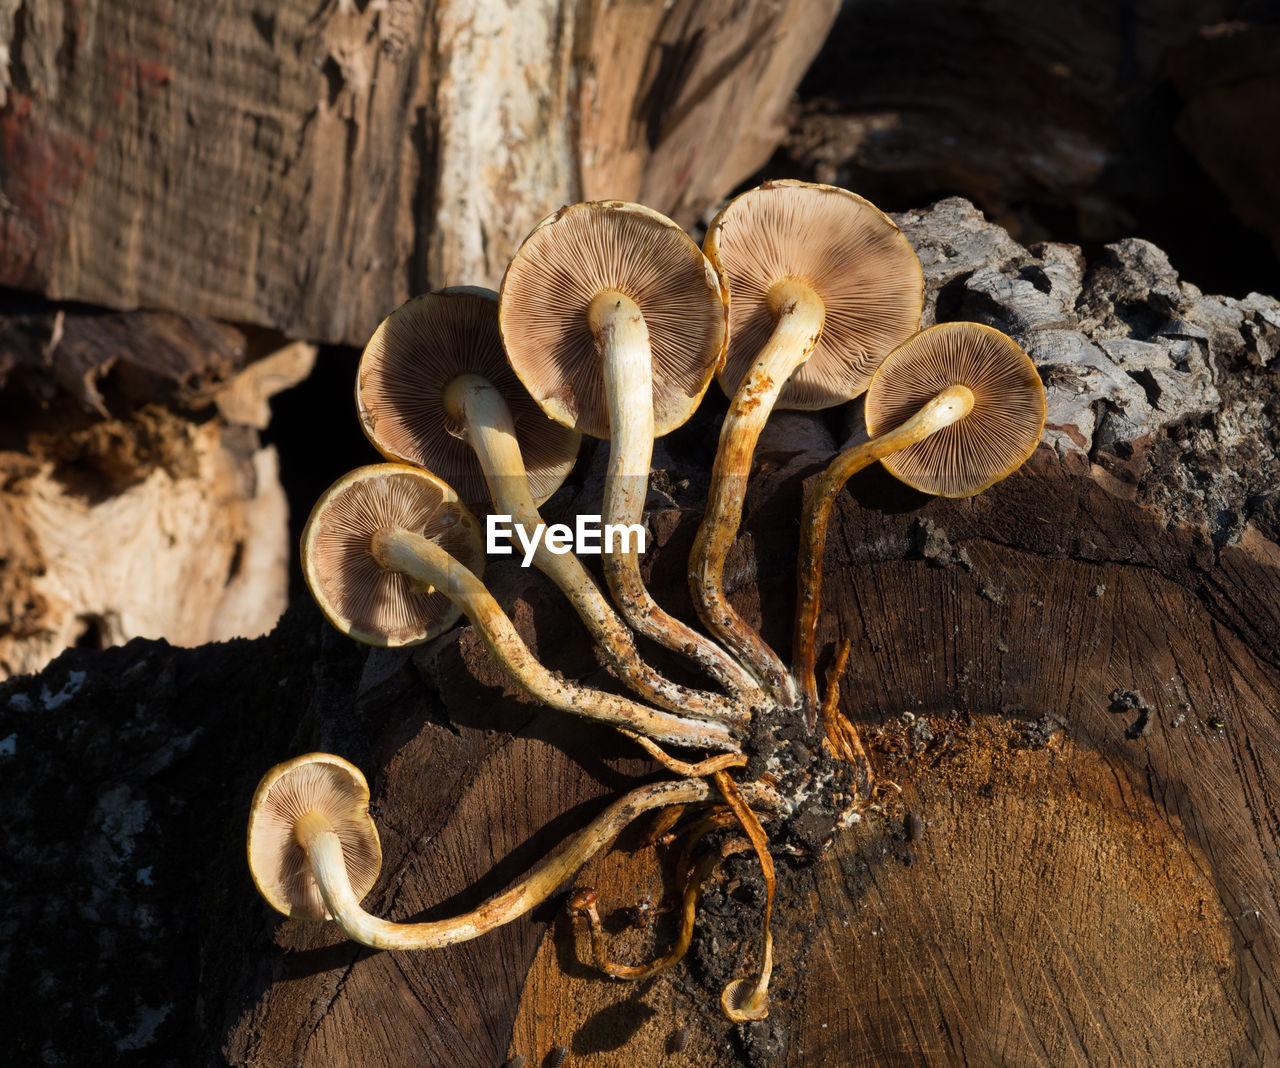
<point>136,497</point>
<point>308,167</point>
<point>1073,678</point>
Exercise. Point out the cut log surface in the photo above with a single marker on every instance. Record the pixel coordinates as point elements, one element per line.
<point>308,166</point>
<point>1073,678</point>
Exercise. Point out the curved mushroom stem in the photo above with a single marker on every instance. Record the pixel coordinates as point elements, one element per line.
<point>429,565</point>
<point>680,767</point>
<point>952,404</point>
<point>620,330</point>
<point>324,854</point>
<point>799,317</point>
<point>741,1000</point>
<point>474,402</point>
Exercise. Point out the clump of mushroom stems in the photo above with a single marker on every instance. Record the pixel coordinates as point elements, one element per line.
<point>474,402</point>
<point>947,407</point>
<point>428,565</point>
<point>623,338</point>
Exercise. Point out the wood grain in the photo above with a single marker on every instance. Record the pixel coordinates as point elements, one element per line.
<point>309,166</point>
<point>1079,894</point>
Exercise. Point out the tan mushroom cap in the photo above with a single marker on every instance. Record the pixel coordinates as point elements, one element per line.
<point>317,782</point>
<point>569,258</point>
<point>996,436</point>
<point>412,357</point>
<point>853,256</point>
<point>357,596</point>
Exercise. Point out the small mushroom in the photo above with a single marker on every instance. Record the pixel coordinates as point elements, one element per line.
<point>297,803</point>
<point>822,285</point>
<point>412,395</point>
<point>371,552</point>
<point>952,411</point>
<point>354,589</point>
<point>435,389</point>
<point>314,853</point>
<point>615,323</point>
<point>981,446</point>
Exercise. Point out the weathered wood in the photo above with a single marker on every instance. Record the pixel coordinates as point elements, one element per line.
<point>308,167</point>
<point>137,499</point>
<point>1087,884</point>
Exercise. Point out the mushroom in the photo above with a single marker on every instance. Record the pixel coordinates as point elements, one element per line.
<point>412,385</point>
<point>314,853</point>
<point>374,549</point>
<point>312,811</point>
<point>821,286</point>
<point>615,323</point>
<point>952,411</point>
<point>435,389</point>
<point>356,592</point>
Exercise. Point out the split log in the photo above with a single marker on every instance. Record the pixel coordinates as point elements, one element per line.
<point>137,497</point>
<point>1073,678</point>
<point>309,166</point>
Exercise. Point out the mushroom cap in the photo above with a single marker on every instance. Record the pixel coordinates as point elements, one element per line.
<point>853,256</point>
<point>357,596</point>
<point>988,443</point>
<point>412,357</point>
<point>569,258</point>
<point>317,782</point>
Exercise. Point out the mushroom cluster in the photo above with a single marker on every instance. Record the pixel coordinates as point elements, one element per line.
<point>612,322</point>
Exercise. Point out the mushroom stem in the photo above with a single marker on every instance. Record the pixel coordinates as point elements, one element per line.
<point>427,564</point>
<point>799,317</point>
<point>947,407</point>
<point>623,337</point>
<point>324,854</point>
<point>741,1000</point>
<point>474,402</point>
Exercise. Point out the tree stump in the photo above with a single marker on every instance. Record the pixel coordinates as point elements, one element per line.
<point>1073,679</point>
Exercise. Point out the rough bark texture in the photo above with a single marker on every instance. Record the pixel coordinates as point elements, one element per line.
<point>137,499</point>
<point>309,166</point>
<point>1073,677</point>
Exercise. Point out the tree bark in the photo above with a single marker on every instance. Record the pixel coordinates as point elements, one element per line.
<point>308,167</point>
<point>1073,678</point>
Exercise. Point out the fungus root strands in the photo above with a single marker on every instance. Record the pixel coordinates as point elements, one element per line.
<point>693,879</point>
<point>742,1000</point>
